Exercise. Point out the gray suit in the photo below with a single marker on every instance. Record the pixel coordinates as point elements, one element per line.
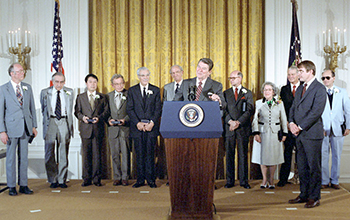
<point>57,130</point>
<point>306,112</point>
<point>18,122</point>
<point>169,91</point>
<point>118,136</point>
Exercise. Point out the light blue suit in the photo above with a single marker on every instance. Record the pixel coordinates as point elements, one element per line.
<point>332,121</point>
<point>18,122</point>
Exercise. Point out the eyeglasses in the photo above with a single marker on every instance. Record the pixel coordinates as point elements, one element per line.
<point>233,77</point>
<point>179,71</point>
<point>19,71</point>
<point>325,77</point>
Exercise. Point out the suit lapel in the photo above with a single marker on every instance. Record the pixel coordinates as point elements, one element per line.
<point>308,91</point>
<point>122,101</point>
<point>12,93</point>
<point>85,101</point>
<point>49,97</point>
<point>206,88</point>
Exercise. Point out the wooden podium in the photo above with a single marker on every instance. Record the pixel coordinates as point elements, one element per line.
<point>191,154</point>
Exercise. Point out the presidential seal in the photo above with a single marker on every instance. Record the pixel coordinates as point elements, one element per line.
<point>191,115</point>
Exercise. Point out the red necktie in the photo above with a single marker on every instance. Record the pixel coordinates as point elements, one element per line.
<point>236,94</point>
<point>304,89</point>
<point>199,91</point>
<point>19,95</point>
<point>294,90</point>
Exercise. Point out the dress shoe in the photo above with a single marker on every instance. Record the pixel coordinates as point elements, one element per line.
<point>281,183</point>
<point>297,200</point>
<point>98,183</point>
<point>229,185</point>
<point>12,191</point>
<point>312,203</point>
<point>117,182</point>
<point>125,182</point>
<point>86,183</point>
<point>63,185</point>
<point>272,187</point>
<point>25,190</point>
<point>262,186</point>
<point>138,184</point>
<point>54,185</point>
<point>246,186</point>
<point>324,186</point>
<point>152,184</point>
<point>335,186</point>
<point>167,183</point>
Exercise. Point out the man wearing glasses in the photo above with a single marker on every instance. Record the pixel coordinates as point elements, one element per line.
<point>237,114</point>
<point>17,125</point>
<point>336,125</point>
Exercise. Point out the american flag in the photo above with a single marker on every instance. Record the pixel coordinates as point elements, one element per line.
<point>57,48</point>
<point>295,44</point>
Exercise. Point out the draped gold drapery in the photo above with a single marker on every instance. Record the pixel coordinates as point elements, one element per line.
<point>128,34</point>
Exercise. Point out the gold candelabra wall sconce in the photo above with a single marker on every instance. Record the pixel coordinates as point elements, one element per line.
<point>15,46</point>
<point>339,46</point>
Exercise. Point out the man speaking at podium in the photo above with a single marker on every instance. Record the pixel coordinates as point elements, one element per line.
<point>202,87</point>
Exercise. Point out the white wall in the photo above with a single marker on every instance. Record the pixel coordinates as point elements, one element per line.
<point>314,17</point>
<point>37,16</point>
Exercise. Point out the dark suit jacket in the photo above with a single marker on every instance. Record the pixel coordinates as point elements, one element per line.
<point>114,113</point>
<point>137,111</point>
<point>287,97</point>
<point>307,111</point>
<point>234,111</point>
<point>83,108</point>
<point>210,86</point>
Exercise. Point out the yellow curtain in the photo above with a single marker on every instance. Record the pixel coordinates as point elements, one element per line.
<point>128,34</point>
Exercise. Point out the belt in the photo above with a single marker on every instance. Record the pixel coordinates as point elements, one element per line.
<point>261,123</point>
<point>52,116</point>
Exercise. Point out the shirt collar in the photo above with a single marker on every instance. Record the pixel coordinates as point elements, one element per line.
<point>93,93</point>
<point>203,82</point>
<point>238,87</point>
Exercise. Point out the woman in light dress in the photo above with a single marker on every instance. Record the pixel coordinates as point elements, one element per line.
<point>269,119</point>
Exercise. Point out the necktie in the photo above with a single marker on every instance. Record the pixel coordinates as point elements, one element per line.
<point>236,94</point>
<point>199,91</point>
<point>144,96</point>
<point>177,88</point>
<point>117,100</point>
<point>294,90</point>
<point>92,101</point>
<point>19,95</point>
<point>304,89</point>
<point>330,97</point>
<point>329,92</point>
<point>58,106</point>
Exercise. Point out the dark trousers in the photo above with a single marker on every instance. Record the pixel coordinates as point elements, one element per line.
<point>91,155</point>
<point>242,149</point>
<point>144,147</point>
<point>288,153</point>
<point>309,167</point>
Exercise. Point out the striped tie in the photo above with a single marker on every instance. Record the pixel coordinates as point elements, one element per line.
<point>199,91</point>
<point>58,106</point>
<point>19,95</point>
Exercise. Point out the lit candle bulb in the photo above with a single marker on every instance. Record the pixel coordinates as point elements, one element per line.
<point>19,36</point>
<point>13,39</point>
<point>9,38</point>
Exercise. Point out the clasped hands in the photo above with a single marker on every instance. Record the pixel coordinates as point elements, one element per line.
<point>85,118</point>
<point>141,126</point>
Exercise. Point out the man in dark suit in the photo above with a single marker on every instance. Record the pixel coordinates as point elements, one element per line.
<point>305,122</point>
<point>206,89</point>
<point>287,95</point>
<point>17,124</point>
<point>118,130</point>
<point>56,107</point>
<point>172,88</point>
<point>239,109</point>
<point>91,109</point>
<point>144,109</point>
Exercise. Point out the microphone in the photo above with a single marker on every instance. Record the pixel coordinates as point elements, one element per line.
<point>192,93</point>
